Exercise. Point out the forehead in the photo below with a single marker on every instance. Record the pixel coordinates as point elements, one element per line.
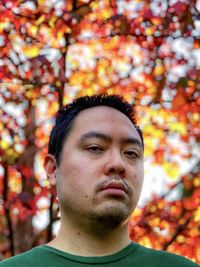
<point>104,119</point>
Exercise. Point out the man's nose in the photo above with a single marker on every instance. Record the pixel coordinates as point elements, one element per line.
<point>114,164</point>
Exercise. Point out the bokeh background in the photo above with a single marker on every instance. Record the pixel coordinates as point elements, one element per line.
<point>52,51</point>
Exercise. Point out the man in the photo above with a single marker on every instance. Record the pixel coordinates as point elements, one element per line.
<point>96,158</point>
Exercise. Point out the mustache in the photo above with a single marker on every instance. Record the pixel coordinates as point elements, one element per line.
<point>115,178</point>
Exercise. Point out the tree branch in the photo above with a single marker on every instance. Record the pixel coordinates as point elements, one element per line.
<point>179,229</point>
<point>7,210</point>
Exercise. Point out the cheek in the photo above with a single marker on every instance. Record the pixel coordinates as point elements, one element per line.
<point>141,173</point>
<point>76,175</point>
<point>138,177</point>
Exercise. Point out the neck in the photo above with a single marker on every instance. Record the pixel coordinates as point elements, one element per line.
<point>86,243</point>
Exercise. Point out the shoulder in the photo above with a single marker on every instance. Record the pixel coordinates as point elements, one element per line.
<point>26,259</point>
<point>167,259</point>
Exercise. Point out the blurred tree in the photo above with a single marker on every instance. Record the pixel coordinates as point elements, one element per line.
<point>147,51</point>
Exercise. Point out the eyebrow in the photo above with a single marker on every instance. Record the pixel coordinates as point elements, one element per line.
<point>106,138</point>
<point>93,134</point>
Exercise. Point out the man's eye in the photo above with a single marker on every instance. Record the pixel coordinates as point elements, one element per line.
<point>95,148</point>
<point>131,154</point>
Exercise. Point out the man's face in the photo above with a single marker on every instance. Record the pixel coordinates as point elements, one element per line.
<point>100,174</point>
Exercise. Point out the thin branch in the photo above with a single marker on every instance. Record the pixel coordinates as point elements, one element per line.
<point>74,5</point>
<point>179,229</point>
<point>43,232</point>
<point>7,210</point>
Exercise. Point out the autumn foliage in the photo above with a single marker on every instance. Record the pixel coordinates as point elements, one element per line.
<point>147,51</point>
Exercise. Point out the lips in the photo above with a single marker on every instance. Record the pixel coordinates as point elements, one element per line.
<point>116,185</point>
<point>115,188</point>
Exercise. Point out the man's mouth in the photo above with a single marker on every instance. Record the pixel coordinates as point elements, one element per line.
<point>115,188</point>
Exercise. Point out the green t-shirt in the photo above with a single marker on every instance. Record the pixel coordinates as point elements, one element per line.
<point>134,255</point>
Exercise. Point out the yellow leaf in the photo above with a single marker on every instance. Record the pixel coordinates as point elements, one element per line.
<point>54,107</point>
<point>95,5</point>
<point>33,30</point>
<point>60,35</point>
<point>68,29</point>
<point>31,51</point>
<point>156,21</point>
<point>197,215</point>
<point>89,91</point>
<point>150,31</point>
<point>3,25</point>
<point>106,14</point>
<point>52,22</point>
<point>197,182</point>
<point>4,145</point>
<point>181,239</point>
<point>195,117</point>
<point>15,185</point>
<point>154,222</point>
<point>159,70</point>
<point>40,20</point>
<point>151,130</point>
<point>145,241</point>
<point>178,127</point>
<point>171,169</point>
<point>137,212</point>
<point>58,83</point>
<point>76,79</point>
<point>110,91</point>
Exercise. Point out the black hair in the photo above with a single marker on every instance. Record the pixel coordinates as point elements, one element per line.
<point>65,118</point>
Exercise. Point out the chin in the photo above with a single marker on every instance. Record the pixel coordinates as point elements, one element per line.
<point>109,217</point>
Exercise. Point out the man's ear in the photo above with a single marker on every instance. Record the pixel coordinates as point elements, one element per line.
<point>50,167</point>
